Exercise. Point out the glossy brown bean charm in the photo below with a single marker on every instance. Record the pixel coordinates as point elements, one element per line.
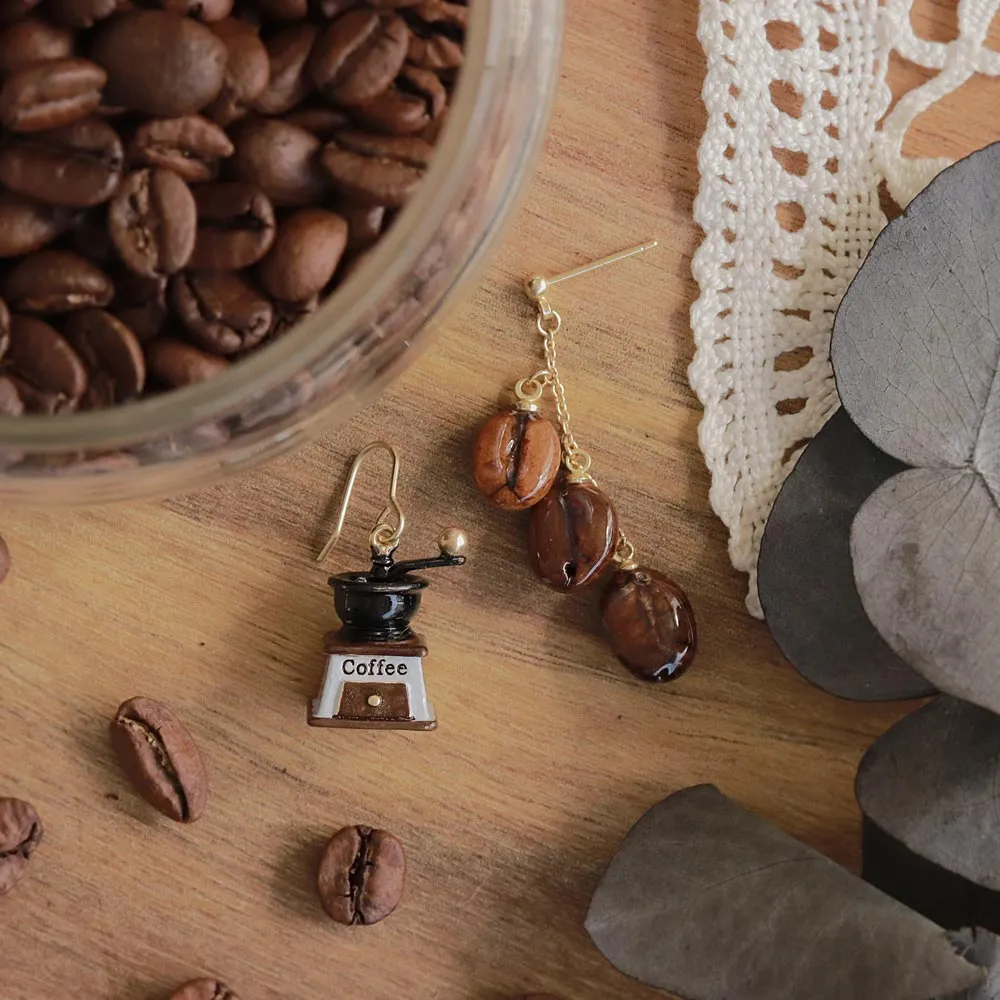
<point>651,623</point>
<point>573,534</point>
<point>516,459</point>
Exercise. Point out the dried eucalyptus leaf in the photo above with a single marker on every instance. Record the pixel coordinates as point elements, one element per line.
<point>930,792</point>
<point>806,579</point>
<point>926,550</point>
<point>709,902</point>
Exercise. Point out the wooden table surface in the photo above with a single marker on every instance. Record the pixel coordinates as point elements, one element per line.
<point>547,751</point>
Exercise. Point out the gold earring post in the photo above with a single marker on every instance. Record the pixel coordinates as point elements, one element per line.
<point>384,538</point>
<point>537,287</point>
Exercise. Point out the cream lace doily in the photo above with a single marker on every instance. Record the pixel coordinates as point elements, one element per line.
<point>791,163</point>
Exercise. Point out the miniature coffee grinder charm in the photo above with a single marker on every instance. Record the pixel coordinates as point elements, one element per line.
<point>375,663</point>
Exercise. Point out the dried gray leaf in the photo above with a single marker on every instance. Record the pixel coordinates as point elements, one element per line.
<point>709,902</point>
<point>916,352</point>
<point>806,579</point>
<point>930,793</point>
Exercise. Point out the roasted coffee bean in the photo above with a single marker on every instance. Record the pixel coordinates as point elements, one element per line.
<point>305,254</point>
<point>55,281</point>
<point>30,41</point>
<point>409,106</point>
<point>288,84</point>
<point>77,165</point>
<point>160,63</point>
<point>204,10</point>
<point>516,459</point>
<point>20,828</point>
<point>51,94</point>
<point>361,875</point>
<point>651,624</point>
<point>223,314</point>
<point>4,329</point>
<point>11,405</point>
<point>205,989</point>
<point>160,758</point>
<point>289,314</point>
<point>365,224</point>
<point>177,364</point>
<point>113,356</point>
<point>12,10</point>
<point>141,303</point>
<point>153,221</point>
<point>89,236</point>
<point>191,146</point>
<point>282,160</point>
<point>437,31</point>
<point>79,13</point>
<point>49,374</point>
<point>359,55</point>
<point>27,225</point>
<point>283,10</point>
<point>247,71</point>
<point>573,534</point>
<point>324,123</point>
<point>235,226</point>
<point>376,169</point>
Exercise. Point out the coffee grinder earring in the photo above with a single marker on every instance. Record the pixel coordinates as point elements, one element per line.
<point>522,461</point>
<point>375,663</point>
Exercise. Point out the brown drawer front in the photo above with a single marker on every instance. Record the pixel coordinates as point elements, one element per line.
<point>354,704</point>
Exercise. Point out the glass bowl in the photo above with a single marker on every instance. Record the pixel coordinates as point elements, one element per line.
<point>362,336</point>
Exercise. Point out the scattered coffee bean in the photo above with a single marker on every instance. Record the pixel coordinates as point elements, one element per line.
<point>55,281</point>
<point>153,222</point>
<point>160,63</point>
<point>20,832</point>
<point>361,875</point>
<point>516,459</point>
<point>27,225</point>
<point>222,312</point>
<point>191,146</point>
<point>376,169</point>
<point>573,534</point>
<point>282,160</point>
<point>287,54</point>
<point>247,71</point>
<point>160,759</point>
<point>205,989</point>
<point>305,254</point>
<point>176,364</point>
<point>51,94</point>
<point>235,226</point>
<point>78,165</point>
<point>30,41</point>
<point>49,375</point>
<point>116,368</point>
<point>358,56</point>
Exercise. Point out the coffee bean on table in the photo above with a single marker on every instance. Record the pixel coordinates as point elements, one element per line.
<point>50,376</point>
<point>160,758</point>
<point>113,356</point>
<point>55,281</point>
<point>376,169</point>
<point>20,827</point>
<point>305,254</point>
<point>235,226</point>
<point>27,225</point>
<point>191,146</point>
<point>361,875</point>
<point>32,41</point>
<point>282,160</point>
<point>78,165</point>
<point>287,54</point>
<point>359,55</point>
<point>223,313</point>
<point>50,94</point>
<point>247,71</point>
<point>177,364</point>
<point>205,989</point>
<point>160,63</point>
<point>153,221</point>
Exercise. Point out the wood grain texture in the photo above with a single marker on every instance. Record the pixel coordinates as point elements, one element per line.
<point>547,750</point>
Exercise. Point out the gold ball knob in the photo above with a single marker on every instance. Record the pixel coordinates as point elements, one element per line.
<point>453,542</point>
<point>536,288</point>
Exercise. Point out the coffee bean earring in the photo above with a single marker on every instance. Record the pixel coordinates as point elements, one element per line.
<point>375,662</point>
<point>523,461</point>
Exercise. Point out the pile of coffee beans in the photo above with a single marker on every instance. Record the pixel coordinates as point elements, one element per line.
<point>183,180</point>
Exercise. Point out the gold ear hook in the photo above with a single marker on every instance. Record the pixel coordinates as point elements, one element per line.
<point>384,538</point>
